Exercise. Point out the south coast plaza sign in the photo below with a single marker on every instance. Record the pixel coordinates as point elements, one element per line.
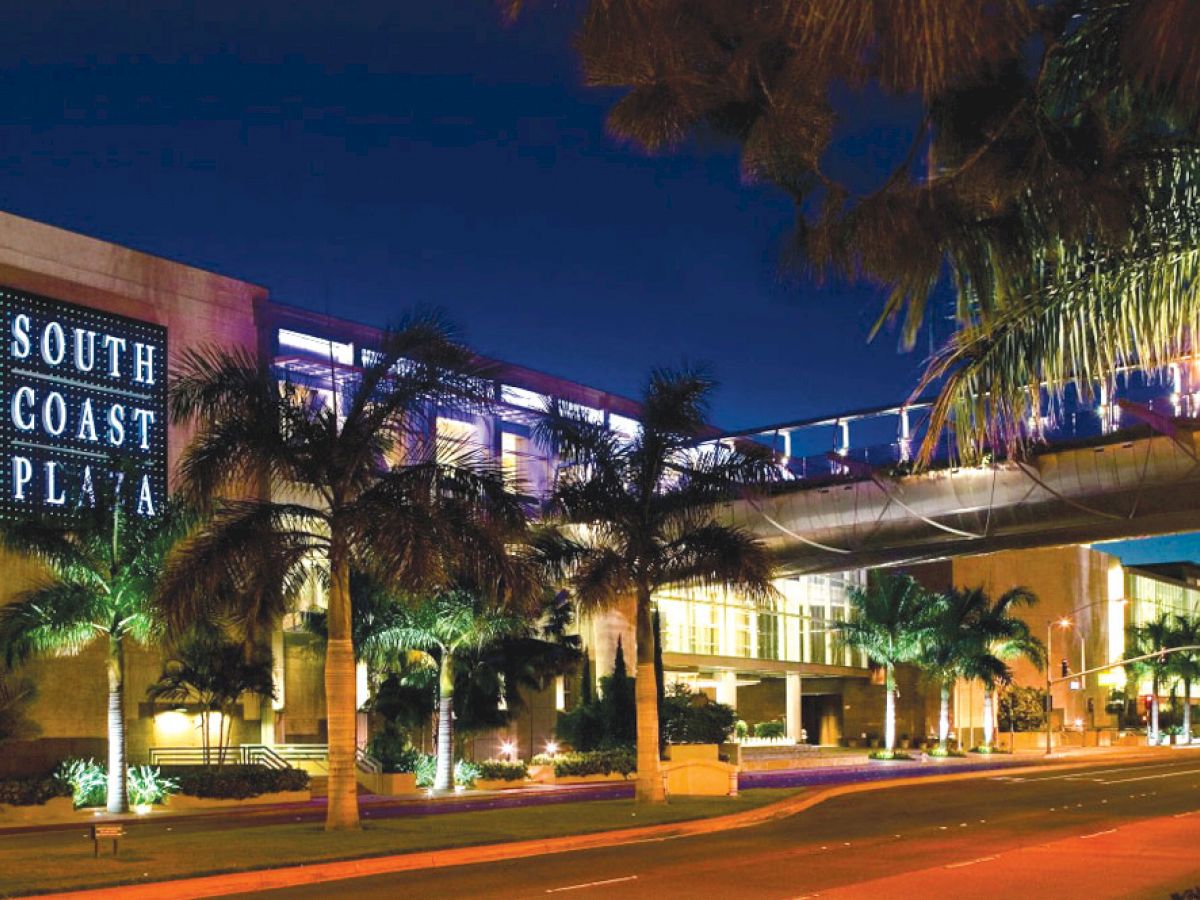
<point>82,390</point>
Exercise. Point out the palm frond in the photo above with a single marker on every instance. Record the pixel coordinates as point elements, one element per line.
<point>58,618</point>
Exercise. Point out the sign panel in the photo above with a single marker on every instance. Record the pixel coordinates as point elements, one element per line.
<point>84,392</point>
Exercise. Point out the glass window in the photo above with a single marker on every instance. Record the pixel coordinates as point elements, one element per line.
<point>818,628</point>
<point>768,631</point>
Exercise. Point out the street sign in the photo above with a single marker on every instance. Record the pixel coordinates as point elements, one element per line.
<point>106,833</point>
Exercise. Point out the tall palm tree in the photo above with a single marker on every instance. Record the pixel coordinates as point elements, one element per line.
<point>643,513</point>
<point>101,566</point>
<point>450,626</point>
<point>1185,664</point>
<point>356,478</point>
<point>1008,637</point>
<point>1148,638</point>
<point>889,622</point>
<point>957,646</point>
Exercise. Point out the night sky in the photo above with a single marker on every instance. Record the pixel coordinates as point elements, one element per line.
<point>366,157</point>
<point>401,153</point>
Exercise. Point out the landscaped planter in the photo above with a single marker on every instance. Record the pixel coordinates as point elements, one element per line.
<point>185,801</point>
<point>389,784</point>
<point>589,779</point>
<point>694,752</point>
<point>498,784</point>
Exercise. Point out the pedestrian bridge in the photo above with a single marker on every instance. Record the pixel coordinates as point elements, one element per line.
<point>1121,467</point>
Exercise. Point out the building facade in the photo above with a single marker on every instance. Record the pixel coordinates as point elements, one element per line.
<point>91,330</point>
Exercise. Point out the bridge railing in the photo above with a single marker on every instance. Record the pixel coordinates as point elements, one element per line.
<point>892,435</point>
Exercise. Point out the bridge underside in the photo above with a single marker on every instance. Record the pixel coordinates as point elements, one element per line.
<point>1130,484</point>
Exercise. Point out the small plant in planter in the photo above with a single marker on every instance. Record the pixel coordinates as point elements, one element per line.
<point>888,755</point>
<point>946,752</point>
<point>770,730</point>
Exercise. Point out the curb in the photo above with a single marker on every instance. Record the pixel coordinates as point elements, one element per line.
<point>339,870</point>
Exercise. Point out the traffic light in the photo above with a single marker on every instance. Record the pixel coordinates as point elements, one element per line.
<point>1066,668</point>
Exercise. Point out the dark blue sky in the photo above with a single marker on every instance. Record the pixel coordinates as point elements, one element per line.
<point>371,155</point>
<point>395,153</point>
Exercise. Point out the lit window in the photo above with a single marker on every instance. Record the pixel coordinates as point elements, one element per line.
<point>520,397</point>
<point>624,426</point>
<point>455,439</point>
<point>320,347</point>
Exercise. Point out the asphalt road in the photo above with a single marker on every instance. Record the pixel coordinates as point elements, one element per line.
<point>905,832</point>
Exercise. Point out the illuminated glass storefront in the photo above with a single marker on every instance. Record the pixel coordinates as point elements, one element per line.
<point>797,626</point>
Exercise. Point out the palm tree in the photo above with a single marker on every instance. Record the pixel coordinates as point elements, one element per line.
<point>101,566</point>
<point>1050,178</point>
<point>208,668</point>
<point>889,622</point>
<point>1148,638</point>
<point>1008,637</point>
<point>450,626</point>
<point>955,647</point>
<point>360,480</point>
<point>1186,664</point>
<point>643,517</point>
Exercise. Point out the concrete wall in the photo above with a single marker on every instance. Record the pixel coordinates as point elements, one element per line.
<point>1064,579</point>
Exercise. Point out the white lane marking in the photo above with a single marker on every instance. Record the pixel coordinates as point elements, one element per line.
<point>578,887</point>
<point>969,862</point>
<point>1152,777</point>
<point>1088,773</point>
<point>1084,837</point>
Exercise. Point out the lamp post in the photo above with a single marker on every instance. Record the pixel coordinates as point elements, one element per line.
<point>1064,622</point>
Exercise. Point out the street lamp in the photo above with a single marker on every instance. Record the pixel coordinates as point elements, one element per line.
<point>1064,622</point>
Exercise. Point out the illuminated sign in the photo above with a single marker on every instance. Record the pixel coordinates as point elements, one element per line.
<point>83,390</point>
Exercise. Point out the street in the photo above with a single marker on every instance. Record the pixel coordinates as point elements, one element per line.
<point>996,835</point>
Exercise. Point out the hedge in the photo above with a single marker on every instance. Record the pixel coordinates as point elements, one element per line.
<point>32,790</point>
<point>593,762</point>
<point>236,782</point>
<point>502,770</point>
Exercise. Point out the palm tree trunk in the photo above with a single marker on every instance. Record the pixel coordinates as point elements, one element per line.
<point>649,785</point>
<point>889,715</point>
<point>118,791</point>
<point>443,780</point>
<point>944,716</point>
<point>989,715</point>
<point>1187,710</point>
<point>340,695</point>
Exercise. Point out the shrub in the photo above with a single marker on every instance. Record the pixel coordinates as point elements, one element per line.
<point>740,729</point>
<point>1022,709</point>
<point>889,754</point>
<point>939,752</point>
<point>87,780</point>
<point>689,718</point>
<point>609,720</point>
<point>32,791</point>
<point>237,782</point>
<point>425,768</point>
<point>148,786</point>
<point>394,752</point>
<point>595,762</point>
<point>502,770</point>
<point>770,729</point>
